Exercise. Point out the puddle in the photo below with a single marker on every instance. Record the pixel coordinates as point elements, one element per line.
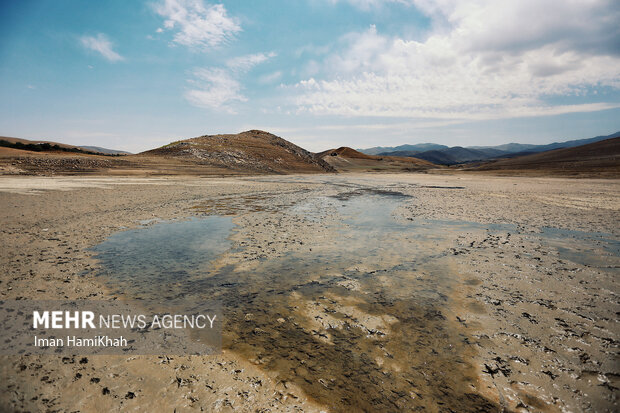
<point>357,319</point>
<point>591,249</point>
<point>160,255</point>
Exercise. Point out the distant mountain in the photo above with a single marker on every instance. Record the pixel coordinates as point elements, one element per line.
<point>444,155</point>
<point>600,158</point>
<point>509,147</point>
<point>520,147</point>
<point>419,147</point>
<point>105,150</point>
<point>457,155</point>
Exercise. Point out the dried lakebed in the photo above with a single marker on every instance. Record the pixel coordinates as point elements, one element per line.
<point>359,292</point>
<point>363,314</point>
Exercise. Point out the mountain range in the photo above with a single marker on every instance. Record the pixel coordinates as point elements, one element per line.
<point>597,159</point>
<point>444,155</point>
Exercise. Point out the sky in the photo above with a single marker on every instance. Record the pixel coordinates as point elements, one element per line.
<point>134,75</point>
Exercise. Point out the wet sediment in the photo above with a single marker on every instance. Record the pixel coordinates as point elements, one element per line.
<point>442,309</point>
<point>355,319</point>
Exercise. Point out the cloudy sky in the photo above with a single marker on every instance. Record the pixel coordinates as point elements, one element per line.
<point>322,73</point>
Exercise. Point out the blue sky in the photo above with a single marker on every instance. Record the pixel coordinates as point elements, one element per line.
<point>322,73</point>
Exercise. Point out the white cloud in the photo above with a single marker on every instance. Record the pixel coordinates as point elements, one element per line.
<point>369,4</point>
<point>270,77</point>
<point>214,89</point>
<point>220,88</point>
<point>485,59</point>
<point>197,24</point>
<point>311,49</point>
<point>247,62</point>
<point>102,45</point>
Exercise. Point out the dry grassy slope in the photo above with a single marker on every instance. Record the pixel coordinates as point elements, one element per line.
<point>85,149</point>
<point>252,151</point>
<point>27,141</point>
<point>15,161</point>
<point>598,157</point>
<point>345,159</point>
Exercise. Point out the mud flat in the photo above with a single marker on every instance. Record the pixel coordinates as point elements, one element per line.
<point>342,292</point>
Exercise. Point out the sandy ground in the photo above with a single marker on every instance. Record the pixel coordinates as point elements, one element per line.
<point>536,331</point>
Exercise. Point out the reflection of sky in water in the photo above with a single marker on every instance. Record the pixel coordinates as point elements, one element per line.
<point>164,252</point>
<point>592,249</point>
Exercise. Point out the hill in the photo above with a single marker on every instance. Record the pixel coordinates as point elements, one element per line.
<point>600,158</point>
<point>345,159</point>
<point>346,152</point>
<point>49,146</point>
<point>252,151</point>
<point>38,146</point>
<point>105,150</point>
<point>29,157</point>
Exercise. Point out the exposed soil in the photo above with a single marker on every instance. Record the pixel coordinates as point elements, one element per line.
<point>530,315</point>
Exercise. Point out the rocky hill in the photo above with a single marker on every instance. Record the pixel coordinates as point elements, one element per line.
<point>251,151</point>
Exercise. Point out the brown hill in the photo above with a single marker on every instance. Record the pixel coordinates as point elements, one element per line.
<point>31,142</point>
<point>39,157</point>
<point>252,151</point>
<point>345,159</point>
<point>50,146</point>
<point>595,159</point>
<point>346,152</point>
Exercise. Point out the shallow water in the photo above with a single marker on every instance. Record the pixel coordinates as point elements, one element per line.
<point>355,319</point>
<point>592,249</point>
<point>158,255</point>
<point>358,319</point>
